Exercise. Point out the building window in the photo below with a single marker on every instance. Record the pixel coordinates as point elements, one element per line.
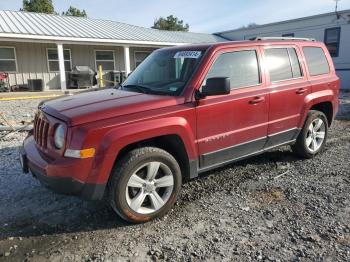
<point>288,35</point>
<point>283,64</point>
<point>8,59</point>
<point>53,63</point>
<point>332,40</point>
<point>241,67</point>
<point>139,56</point>
<point>105,58</point>
<point>316,61</point>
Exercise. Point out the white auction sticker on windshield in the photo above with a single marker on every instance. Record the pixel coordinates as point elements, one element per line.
<point>188,54</point>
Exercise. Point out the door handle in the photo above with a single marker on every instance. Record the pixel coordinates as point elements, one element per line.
<point>256,100</point>
<point>300,91</point>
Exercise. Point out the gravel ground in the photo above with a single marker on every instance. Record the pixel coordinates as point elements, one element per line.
<point>273,207</point>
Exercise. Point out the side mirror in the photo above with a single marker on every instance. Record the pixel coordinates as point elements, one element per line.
<point>216,86</point>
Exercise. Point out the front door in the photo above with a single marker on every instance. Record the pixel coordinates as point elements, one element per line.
<point>234,125</point>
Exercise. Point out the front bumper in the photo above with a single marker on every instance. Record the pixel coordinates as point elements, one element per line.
<point>46,173</point>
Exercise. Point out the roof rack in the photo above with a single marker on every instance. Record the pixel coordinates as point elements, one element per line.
<point>259,38</point>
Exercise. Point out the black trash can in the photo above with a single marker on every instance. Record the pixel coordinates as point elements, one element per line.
<point>35,85</point>
<point>115,78</point>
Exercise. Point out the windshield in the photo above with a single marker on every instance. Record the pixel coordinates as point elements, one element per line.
<point>164,72</point>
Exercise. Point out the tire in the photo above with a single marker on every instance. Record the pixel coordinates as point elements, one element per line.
<point>143,175</point>
<point>312,137</point>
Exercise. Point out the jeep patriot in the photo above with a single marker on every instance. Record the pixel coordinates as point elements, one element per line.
<point>183,111</point>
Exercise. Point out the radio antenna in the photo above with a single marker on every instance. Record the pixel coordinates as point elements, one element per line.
<point>336,8</point>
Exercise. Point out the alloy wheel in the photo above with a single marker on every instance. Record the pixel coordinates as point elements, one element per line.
<point>149,187</point>
<point>315,135</point>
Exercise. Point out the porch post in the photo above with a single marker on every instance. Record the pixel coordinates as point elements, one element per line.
<point>61,66</point>
<point>127,60</point>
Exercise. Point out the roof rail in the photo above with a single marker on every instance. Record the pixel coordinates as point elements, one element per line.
<point>259,38</point>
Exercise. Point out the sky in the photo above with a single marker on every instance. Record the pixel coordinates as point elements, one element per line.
<point>204,16</point>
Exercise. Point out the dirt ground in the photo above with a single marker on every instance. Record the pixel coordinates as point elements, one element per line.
<point>272,207</point>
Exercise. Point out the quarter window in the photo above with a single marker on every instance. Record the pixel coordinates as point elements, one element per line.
<point>53,63</point>
<point>105,59</point>
<point>140,56</point>
<point>241,67</point>
<point>8,59</point>
<point>282,63</point>
<point>316,61</point>
<point>332,39</point>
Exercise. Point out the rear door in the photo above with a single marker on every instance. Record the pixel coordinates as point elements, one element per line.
<point>288,88</point>
<point>233,125</point>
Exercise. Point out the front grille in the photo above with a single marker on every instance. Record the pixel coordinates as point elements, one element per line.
<point>41,130</point>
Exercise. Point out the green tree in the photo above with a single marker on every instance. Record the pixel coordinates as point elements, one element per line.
<point>38,6</point>
<point>171,23</point>
<point>72,11</point>
<point>250,25</point>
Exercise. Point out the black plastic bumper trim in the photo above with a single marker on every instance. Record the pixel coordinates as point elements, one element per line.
<point>69,186</point>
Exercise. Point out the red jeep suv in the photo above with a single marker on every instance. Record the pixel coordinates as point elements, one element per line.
<point>183,111</point>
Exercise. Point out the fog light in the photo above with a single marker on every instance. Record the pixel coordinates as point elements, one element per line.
<point>84,153</point>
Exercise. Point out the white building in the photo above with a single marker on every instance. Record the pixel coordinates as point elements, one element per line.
<point>45,48</point>
<point>332,28</point>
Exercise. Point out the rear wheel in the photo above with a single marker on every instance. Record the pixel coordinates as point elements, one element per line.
<point>312,137</point>
<point>144,184</point>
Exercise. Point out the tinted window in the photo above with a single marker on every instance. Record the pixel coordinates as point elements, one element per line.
<point>241,67</point>
<point>288,35</point>
<point>332,39</point>
<point>316,61</point>
<point>282,63</point>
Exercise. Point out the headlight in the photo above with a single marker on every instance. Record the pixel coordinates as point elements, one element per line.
<point>59,136</point>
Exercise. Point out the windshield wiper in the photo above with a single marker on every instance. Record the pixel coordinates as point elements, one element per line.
<point>141,88</point>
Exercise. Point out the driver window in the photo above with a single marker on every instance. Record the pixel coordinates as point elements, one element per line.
<point>241,67</point>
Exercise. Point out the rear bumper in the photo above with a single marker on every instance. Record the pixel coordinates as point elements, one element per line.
<point>45,172</point>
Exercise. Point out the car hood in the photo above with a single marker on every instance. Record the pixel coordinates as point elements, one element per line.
<point>102,104</point>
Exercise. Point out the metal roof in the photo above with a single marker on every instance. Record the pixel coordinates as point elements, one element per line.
<point>342,12</point>
<point>18,24</point>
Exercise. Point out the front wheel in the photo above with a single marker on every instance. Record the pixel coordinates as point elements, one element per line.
<point>144,184</point>
<point>312,137</point>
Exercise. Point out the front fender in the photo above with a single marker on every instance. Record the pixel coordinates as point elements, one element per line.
<point>118,138</point>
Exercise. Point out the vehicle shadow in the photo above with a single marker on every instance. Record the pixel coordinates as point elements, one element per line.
<point>29,209</point>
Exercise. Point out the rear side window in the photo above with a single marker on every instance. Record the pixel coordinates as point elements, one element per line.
<point>241,67</point>
<point>316,61</point>
<point>282,63</point>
